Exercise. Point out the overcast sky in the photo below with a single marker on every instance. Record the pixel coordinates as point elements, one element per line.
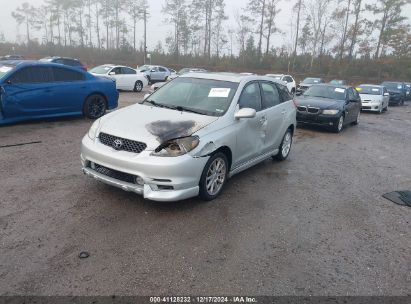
<point>157,29</point>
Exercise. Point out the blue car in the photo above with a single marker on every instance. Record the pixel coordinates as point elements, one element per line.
<point>32,90</point>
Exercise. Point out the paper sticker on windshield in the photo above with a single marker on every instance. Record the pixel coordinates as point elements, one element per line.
<point>359,89</point>
<point>375,90</point>
<point>399,87</point>
<point>5,69</point>
<point>339,90</point>
<point>219,92</point>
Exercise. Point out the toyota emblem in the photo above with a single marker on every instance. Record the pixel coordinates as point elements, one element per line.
<point>117,144</point>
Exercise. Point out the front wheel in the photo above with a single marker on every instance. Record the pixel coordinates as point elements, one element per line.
<point>138,86</point>
<point>357,120</point>
<point>214,177</point>
<point>95,106</point>
<point>285,146</point>
<point>339,126</point>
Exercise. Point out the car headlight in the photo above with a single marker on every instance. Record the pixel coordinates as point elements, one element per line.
<point>92,133</point>
<point>330,112</point>
<point>177,147</point>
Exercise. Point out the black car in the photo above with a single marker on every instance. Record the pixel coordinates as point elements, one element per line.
<point>75,63</point>
<point>307,83</point>
<point>397,90</point>
<point>330,106</point>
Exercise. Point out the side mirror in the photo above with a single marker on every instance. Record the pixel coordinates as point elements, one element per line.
<point>9,82</point>
<point>153,71</point>
<point>245,113</point>
<point>386,94</point>
<point>112,73</point>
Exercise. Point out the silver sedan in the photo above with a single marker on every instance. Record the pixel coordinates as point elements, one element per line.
<point>187,138</point>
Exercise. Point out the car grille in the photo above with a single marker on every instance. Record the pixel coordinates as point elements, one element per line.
<point>313,110</point>
<point>310,110</point>
<point>125,177</point>
<point>122,144</point>
<point>366,108</point>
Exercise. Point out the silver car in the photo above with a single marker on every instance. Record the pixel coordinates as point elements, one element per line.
<point>187,138</point>
<point>374,98</point>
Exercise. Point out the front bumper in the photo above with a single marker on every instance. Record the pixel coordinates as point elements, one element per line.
<point>371,106</point>
<point>165,179</point>
<point>395,99</point>
<point>318,119</point>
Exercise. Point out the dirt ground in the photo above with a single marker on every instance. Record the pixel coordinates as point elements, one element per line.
<point>313,225</point>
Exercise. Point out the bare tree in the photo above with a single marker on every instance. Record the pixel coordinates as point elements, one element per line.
<point>25,14</point>
<point>270,15</point>
<point>391,18</point>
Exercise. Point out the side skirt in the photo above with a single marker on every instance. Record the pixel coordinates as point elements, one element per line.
<point>253,162</point>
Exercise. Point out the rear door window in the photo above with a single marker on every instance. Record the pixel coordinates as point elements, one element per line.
<point>66,75</point>
<point>127,71</point>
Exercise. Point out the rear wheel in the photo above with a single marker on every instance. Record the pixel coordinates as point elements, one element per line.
<point>95,106</point>
<point>214,177</point>
<point>285,146</point>
<point>138,86</point>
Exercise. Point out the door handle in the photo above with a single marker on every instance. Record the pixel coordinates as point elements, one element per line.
<point>263,120</point>
<point>284,112</point>
<point>48,91</point>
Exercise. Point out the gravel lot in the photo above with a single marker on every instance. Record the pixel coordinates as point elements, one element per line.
<point>313,225</point>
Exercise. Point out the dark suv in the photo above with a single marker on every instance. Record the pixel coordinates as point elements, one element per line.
<point>75,63</point>
<point>397,92</point>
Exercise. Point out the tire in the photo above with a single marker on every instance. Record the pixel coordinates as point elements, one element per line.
<point>285,146</point>
<point>138,86</point>
<point>339,127</point>
<point>95,106</point>
<point>219,165</point>
<point>357,120</point>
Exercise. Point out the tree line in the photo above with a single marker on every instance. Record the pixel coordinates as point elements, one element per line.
<point>318,31</point>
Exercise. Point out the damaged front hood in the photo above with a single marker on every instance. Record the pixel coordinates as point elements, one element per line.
<point>152,125</point>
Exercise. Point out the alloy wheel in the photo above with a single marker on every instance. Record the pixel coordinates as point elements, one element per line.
<point>286,146</point>
<point>216,176</point>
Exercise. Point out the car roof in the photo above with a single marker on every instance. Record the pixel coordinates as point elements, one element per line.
<point>371,85</point>
<point>230,77</point>
<point>18,63</point>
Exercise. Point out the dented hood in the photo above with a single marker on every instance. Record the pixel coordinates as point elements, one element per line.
<point>152,125</point>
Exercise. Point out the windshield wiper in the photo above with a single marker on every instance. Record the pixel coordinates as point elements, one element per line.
<point>153,103</point>
<point>184,109</point>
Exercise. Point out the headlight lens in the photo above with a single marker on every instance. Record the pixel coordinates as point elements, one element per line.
<point>177,147</point>
<point>92,133</point>
<point>330,112</point>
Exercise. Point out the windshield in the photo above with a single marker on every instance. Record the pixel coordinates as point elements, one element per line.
<point>102,69</point>
<point>203,96</point>
<point>369,90</point>
<point>337,82</point>
<point>4,69</point>
<point>392,85</point>
<point>144,68</point>
<point>312,80</point>
<point>324,91</point>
